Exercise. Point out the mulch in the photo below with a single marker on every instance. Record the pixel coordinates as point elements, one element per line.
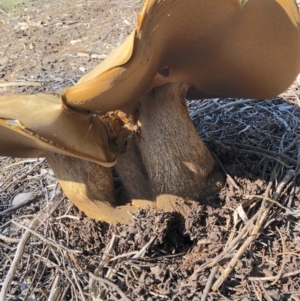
<point>242,245</point>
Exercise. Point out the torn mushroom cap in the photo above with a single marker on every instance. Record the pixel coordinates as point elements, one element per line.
<point>32,125</point>
<point>222,48</point>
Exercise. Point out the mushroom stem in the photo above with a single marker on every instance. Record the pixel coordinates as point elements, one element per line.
<point>90,187</point>
<point>166,156</point>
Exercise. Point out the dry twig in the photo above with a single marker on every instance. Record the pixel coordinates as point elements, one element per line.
<point>20,84</point>
<point>112,285</point>
<point>264,211</point>
<point>48,241</point>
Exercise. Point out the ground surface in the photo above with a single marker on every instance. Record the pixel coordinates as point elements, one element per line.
<point>235,248</point>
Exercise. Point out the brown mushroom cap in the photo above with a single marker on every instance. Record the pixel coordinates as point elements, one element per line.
<point>32,125</point>
<point>222,48</point>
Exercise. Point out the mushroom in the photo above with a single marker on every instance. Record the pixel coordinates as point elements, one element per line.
<point>222,48</point>
<point>42,125</point>
<point>132,106</point>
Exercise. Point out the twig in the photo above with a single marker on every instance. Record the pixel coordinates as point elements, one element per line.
<point>38,272</point>
<point>294,273</point>
<point>9,240</point>
<point>18,255</point>
<point>164,297</point>
<point>294,142</point>
<point>4,12</point>
<point>71,282</point>
<point>105,260</point>
<point>20,162</point>
<point>107,253</point>
<point>20,84</point>
<point>254,233</point>
<point>209,283</point>
<point>55,290</point>
<point>229,177</point>
<point>93,55</point>
<point>270,278</point>
<point>288,209</point>
<point>258,150</point>
<point>48,241</point>
<point>143,250</point>
<point>289,175</point>
<point>121,255</point>
<point>258,294</point>
<point>222,107</point>
<point>234,260</point>
<point>75,278</point>
<point>111,284</point>
<point>65,292</point>
<point>215,261</point>
<point>277,117</point>
<point>11,176</point>
<point>24,175</point>
<point>68,216</point>
<point>267,296</point>
<point>265,199</point>
<point>161,257</point>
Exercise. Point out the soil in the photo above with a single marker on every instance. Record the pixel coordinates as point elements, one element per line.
<point>236,247</point>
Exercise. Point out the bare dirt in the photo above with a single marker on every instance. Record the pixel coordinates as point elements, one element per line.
<point>237,247</point>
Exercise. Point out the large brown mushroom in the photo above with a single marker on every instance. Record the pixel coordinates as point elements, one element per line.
<point>221,48</point>
<point>132,106</point>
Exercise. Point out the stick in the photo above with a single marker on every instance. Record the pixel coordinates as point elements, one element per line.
<point>209,282</point>
<point>215,261</point>
<point>143,250</point>
<point>255,232</point>
<point>75,278</point>
<point>277,277</point>
<point>267,296</point>
<point>37,221</point>
<point>9,240</point>
<point>105,260</point>
<point>229,177</point>
<point>258,150</point>
<point>55,290</point>
<point>111,284</point>
<point>22,177</point>
<point>20,84</point>
<point>222,107</point>
<point>4,12</point>
<point>48,241</point>
<point>20,162</point>
<point>18,256</point>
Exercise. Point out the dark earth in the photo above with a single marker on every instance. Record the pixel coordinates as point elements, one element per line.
<point>234,247</point>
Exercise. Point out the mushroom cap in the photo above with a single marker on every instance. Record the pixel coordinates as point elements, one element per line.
<point>32,125</point>
<point>222,48</point>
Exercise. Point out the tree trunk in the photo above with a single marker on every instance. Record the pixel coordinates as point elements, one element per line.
<point>162,162</point>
